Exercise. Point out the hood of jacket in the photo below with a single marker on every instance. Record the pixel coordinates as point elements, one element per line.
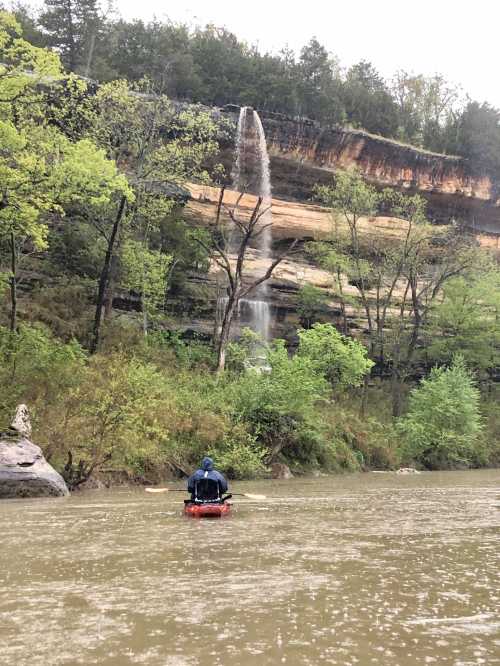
<point>207,464</point>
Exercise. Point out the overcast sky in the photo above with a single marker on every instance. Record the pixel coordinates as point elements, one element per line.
<point>458,38</point>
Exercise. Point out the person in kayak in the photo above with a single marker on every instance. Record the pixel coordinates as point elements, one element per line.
<point>207,484</point>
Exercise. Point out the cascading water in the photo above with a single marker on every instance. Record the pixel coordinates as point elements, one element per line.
<point>251,174</point>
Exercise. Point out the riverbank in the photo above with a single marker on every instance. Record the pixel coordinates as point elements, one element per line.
<point>153,407</point>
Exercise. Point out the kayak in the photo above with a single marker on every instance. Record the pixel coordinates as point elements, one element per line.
<point>207,510</point>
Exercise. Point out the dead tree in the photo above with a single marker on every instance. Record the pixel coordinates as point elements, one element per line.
<point>249,231</point>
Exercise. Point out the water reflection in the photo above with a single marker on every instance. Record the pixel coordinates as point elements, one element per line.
<point>352,570</point>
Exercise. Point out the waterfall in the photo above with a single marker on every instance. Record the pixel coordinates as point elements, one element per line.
<point>251,173</point>
<point>251,312</point>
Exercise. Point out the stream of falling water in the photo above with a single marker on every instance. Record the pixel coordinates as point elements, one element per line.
<point>252,173</point>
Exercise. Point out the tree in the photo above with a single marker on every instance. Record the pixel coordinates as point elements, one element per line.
<point>249,230</point>
<point>368,102</point>
<point>222,63</point>
<point>319,85</point>
<point>145,271</point>
<point>478,138</point>
<point>41,170</point>
<point>158,147</point>
<point>310,303</point>
<point>400,277</point>
<point>443,423</point>
<point>466,320</point>
<point>342,361</point>
<point>427,108</point>
<point>279,404</point>
<point>352,199</point>
<point>73,27</point>
<point>114,413</point>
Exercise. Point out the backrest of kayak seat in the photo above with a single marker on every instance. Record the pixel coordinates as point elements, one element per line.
<point>207,490</point>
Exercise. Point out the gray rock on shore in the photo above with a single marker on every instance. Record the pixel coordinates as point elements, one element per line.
<point>24,472</point>
<point>281,471</point>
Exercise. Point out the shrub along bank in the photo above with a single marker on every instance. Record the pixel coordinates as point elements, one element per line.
<point>154,409</point>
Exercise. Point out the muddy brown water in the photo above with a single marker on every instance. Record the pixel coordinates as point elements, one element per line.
<point>363,569</point>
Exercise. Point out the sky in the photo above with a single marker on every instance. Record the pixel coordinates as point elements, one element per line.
<point>456,38</point>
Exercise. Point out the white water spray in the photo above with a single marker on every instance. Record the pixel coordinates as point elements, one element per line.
<point>251,173</point>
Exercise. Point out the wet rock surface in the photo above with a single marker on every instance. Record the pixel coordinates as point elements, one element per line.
<point>280,471</point>
<point>24,472</point>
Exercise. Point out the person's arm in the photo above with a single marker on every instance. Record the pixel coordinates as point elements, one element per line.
<point>190,483</point>
<point>222,484</point>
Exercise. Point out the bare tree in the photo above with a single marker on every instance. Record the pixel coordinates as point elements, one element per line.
<point>248,231</point>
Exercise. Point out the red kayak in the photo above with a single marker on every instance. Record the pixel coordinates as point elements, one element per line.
<point>207,510</point>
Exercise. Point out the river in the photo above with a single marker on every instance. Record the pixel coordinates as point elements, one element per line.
<point>359,569</point>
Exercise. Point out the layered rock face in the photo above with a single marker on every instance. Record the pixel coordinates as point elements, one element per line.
<point>291,221</point>
<point>24,472</point>
<point>451,189</point>
<point>304,154</point>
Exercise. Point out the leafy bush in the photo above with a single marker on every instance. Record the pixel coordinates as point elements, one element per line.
<point>239,456</point>
<point>443,422</point>
<point>344,362</point>
<point>37,369</point>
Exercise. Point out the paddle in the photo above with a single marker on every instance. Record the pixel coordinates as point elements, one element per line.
<point>178,490</point>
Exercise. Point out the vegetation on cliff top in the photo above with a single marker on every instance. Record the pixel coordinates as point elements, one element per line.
<point>210,65</point>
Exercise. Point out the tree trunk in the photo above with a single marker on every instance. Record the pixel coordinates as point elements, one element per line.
<point>112,280</point>
<point>13,283</point>
<point>103,280</point>
<point>364,397</point>
<point>225,332</point>
<point>396,390</point>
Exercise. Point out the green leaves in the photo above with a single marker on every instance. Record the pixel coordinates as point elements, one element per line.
<point>352,196</point>
<point>467,321</point>
<point>22,65</point>
<point>87,178</point>
<point>145,272</point>
<point>343,361</point>
<point>443,422</point>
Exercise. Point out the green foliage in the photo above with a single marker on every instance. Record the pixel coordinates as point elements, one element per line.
<point>477,137</point>
<point>212,66</point>
<point>467,321</point>
<point>351,196</point>
<point>427,109</point>
<point>368,101</point>
<point>246,352</point>
<point>145,272</point>
<point>74,28</point>
<point>343,361</point>
<point>360,443</point>
<point>239,456</point>
<point>115,414</point>
<point>292,387</point>
<point>70,152</point>
<point>36,368</point>
<point>311,302</point>
<point>443,424</point>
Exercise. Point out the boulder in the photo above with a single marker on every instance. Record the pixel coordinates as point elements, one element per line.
<point>280,471</point>
<point>24,472</point>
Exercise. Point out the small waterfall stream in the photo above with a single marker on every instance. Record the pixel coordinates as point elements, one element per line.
<point>251,173</point>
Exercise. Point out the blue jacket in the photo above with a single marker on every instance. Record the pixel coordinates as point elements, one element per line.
<point>207,471</point>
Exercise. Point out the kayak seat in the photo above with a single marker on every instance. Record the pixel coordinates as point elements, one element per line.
<point>207,490</point>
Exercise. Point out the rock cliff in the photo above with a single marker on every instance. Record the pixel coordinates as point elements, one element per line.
<point>291,221</point>
<point>303,154</point>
